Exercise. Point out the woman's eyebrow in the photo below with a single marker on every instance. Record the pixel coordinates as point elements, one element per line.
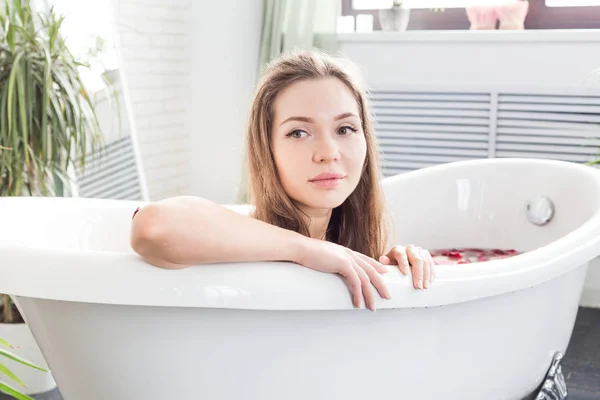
<point>301,119</point>
<point>312,121</point>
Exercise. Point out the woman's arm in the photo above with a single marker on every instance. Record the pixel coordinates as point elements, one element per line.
<point>182,231</point>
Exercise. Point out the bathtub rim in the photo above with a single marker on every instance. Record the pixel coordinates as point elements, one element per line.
<point>298,288</point>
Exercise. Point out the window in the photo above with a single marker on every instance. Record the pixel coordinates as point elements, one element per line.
<point>376,4</point>
<point>89,34</point>
<point>572,3</point>
<point>543,14</point>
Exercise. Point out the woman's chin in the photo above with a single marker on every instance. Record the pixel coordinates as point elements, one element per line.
<point>326,202</point>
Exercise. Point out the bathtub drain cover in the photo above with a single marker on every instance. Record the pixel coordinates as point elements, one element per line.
<point>540,210</point>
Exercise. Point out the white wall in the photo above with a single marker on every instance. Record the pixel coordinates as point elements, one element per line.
<point>591,290</point>
<point>155,48</point>
<point>190,67</point>
<point>225,38</point>
<point>475,57</point>
<point>486,58</point>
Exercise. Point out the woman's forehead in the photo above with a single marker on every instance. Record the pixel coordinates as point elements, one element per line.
<point>324,97</point>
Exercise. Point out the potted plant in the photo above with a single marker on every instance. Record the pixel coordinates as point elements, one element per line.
<point>47,124</point>
<point>5,388</point>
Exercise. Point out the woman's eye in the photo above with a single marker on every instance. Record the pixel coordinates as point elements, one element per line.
<point>347,130</point>
<point>296,134</point>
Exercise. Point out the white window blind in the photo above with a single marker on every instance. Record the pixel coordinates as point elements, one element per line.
<point>111,173</point>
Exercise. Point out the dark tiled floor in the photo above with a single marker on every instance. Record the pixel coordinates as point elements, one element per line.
<point>581,364</point>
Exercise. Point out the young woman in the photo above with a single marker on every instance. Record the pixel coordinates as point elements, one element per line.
<point>313,180</point>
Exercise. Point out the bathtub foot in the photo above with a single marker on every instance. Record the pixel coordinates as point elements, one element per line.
<point>554,386</point>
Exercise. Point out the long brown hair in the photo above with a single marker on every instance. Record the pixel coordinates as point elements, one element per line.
<point>359,222</point>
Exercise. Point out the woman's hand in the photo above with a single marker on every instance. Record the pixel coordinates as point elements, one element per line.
<point>359,270</point>
<point>423,266</point>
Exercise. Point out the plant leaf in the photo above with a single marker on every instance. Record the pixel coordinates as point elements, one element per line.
<point>11,375</point>
<point>4,388</point>
<point>11,85</point>
<point>46,76</point>
<point>47,118</point>
<point>22,102</point>
<point>20,360</point>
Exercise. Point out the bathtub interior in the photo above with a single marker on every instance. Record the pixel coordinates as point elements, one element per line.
<point>68,223</point>
<point>484,205</point>
<point>73,223</point>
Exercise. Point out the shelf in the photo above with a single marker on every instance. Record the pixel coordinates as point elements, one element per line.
<point>466,36</point>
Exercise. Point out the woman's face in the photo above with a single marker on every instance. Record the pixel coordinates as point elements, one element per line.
<point>318,143</point>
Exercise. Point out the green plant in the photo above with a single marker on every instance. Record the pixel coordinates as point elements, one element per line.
<point>47,118</point>
<point>4,388</point>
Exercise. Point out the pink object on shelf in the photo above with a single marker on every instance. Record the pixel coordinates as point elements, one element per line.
<point>512,15</point>
<point>482,17</point>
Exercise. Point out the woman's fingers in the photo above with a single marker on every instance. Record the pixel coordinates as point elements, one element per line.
<point>416,260</point>
<point>398,254</point>
<point>363,272</point>
<point>362,276</point>
<point>379,267</point>
<point>432,262</point>
<point>375,278</point>
<point>367,289</point>
<point>426,269</point>
<point>348,271</point>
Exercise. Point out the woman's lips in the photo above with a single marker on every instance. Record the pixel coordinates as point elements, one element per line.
<point>327,183</point>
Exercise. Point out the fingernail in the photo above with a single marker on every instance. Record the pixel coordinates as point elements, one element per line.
<point>426,283</point>
<point>420,284</point>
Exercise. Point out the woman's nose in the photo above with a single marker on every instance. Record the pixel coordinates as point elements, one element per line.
<point>326,150</point>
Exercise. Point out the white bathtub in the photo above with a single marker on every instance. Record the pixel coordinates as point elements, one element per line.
<point>113,327</point>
